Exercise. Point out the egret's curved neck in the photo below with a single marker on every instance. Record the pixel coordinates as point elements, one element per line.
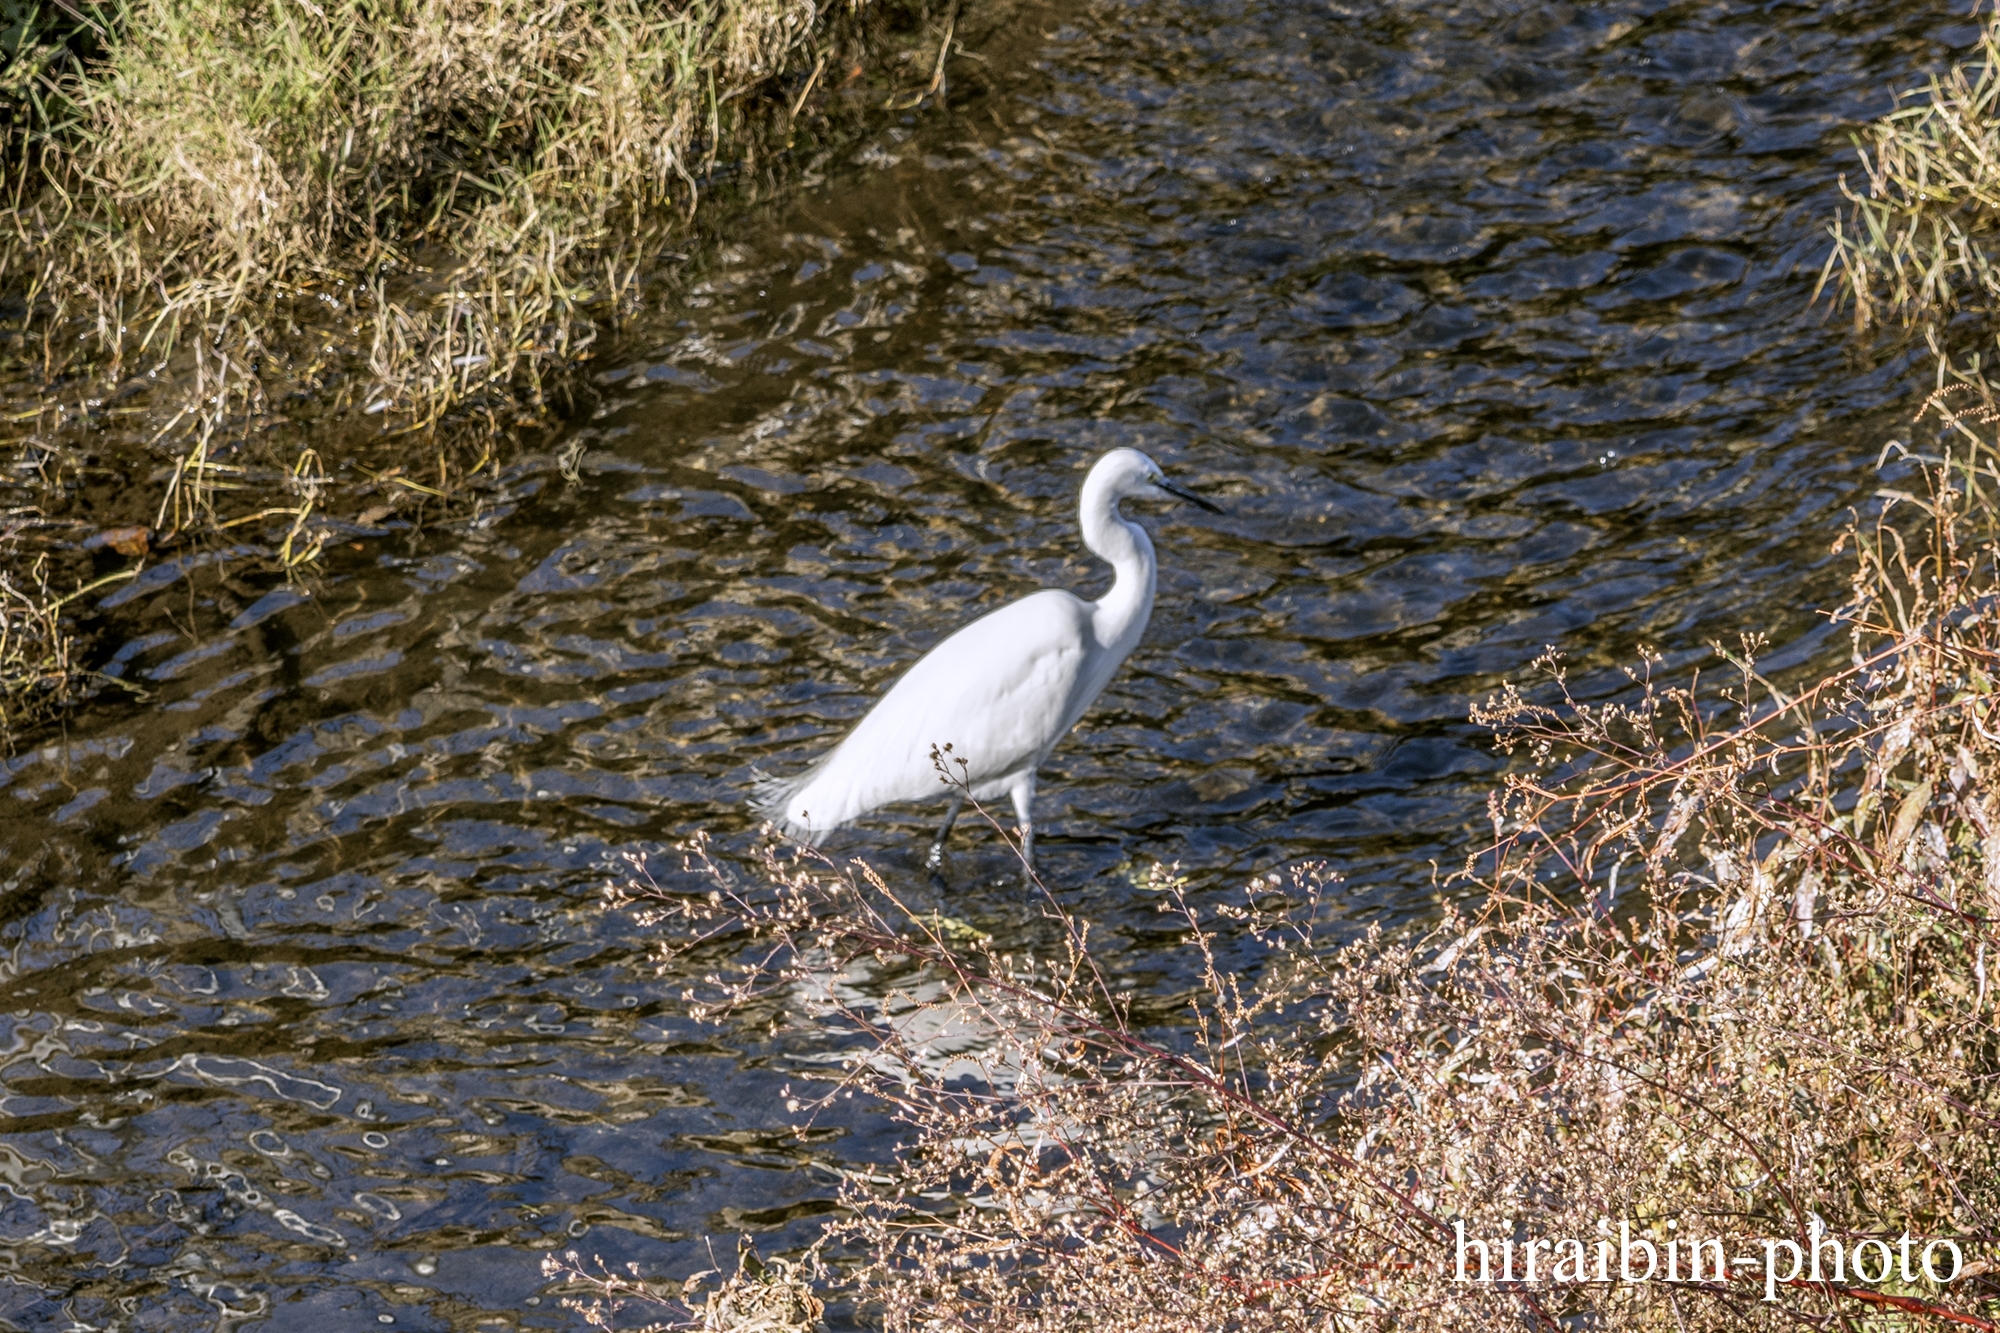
<point>1121,613</point>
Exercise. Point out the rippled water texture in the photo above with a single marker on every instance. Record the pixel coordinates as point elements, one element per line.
<point>1489,329</point>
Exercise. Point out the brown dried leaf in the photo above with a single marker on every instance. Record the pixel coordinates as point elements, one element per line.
<point>127,541</point>
<point>1907,815</point>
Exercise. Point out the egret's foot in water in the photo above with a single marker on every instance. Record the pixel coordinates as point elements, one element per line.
<point>934,860</point>
<point>1023,795</point>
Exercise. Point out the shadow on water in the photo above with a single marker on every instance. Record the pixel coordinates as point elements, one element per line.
<point>1489,328</point>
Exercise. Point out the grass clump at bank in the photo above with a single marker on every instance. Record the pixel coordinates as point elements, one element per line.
<point>278,231</point>
<point>441,190</point>
<point>1918,243</point>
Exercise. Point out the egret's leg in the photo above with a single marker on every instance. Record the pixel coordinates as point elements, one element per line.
<point>932,861</point>
<point>1024,816</point>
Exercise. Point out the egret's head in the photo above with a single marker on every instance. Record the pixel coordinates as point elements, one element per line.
<point>1129,474</point>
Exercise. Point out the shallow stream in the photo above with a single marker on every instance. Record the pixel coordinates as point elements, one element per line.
<point>1487,324</point>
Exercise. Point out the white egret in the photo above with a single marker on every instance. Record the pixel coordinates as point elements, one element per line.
<point>1000,692</point>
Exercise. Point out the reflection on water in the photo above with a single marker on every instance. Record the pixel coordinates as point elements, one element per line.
<point>1487,324</point>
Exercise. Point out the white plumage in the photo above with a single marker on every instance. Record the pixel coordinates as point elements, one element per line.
<point>1000,692</point>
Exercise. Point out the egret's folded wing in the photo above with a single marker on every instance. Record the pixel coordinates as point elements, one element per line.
<point>997,692</point>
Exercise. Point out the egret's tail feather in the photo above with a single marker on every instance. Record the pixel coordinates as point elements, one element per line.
<point>772,798</point>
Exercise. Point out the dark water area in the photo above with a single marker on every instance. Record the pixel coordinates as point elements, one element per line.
<point>1489,327</point>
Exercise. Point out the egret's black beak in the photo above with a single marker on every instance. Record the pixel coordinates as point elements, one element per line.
<point>1189,496</point>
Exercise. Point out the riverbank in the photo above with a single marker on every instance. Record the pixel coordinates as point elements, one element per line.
<point>271,263</point>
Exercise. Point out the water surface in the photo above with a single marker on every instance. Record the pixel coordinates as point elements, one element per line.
<point>1487,324</point>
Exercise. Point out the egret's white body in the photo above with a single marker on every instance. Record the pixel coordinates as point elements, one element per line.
<point>1000,692</point>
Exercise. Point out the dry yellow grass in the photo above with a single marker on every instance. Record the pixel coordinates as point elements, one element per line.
<point>408,215</point>
<point>1917,243</point>
<point>449,184</point>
